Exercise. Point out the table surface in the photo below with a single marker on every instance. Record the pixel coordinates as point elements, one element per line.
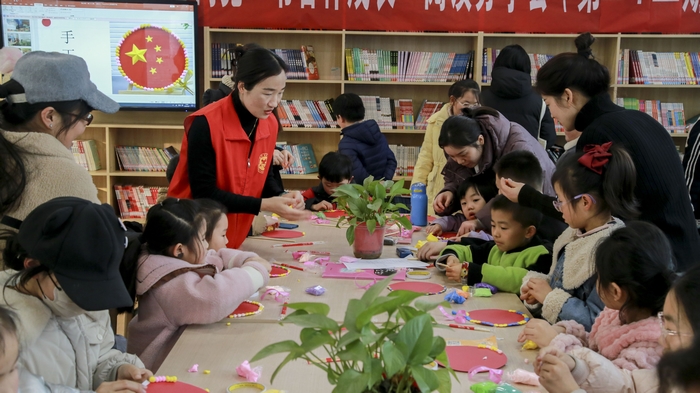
<point>221,347</point>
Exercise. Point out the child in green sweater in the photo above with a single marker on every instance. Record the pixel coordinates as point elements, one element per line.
<point>503,262</point>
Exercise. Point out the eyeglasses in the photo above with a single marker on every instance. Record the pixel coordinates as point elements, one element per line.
<point>468,104</point>
<point>89,118</point>
<point>665,332</point>
<point>558,204</point>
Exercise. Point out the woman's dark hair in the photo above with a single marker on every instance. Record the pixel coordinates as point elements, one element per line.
<point>679,369</point>
<point>8,326</point>
<point>15,117</point>
<point>612,190</point>
<point>576,71</point>
<point>459,88</point>
<point>639,259</point>
<point>13,256</point>
<point>514,57</point>
<point>484,184</point>
<point>212,211</point>
<point>253,63</point>
<point>463,130</point>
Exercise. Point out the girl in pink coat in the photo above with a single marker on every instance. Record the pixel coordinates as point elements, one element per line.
<point>179,282</point>
<point>634,267</point>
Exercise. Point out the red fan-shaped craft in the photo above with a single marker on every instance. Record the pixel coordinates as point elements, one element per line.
<point>247,308</point>
<point>279,271</point>
<point>427,288</point>
<point>173,387</point>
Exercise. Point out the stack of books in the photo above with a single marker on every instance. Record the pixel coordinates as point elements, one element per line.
<point>389,113</point>
<point>537,60</point>
<point>134,201</point>
<point>85,154</point>
<point>306,114</point>
<point>671,115</point>
<point>406,157</point>
<point>143,158</point>
<point>407,66</point>
<point>304,159</point>
<point>638,67</point>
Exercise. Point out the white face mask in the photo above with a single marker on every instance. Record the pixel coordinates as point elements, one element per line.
<point>62,306</point>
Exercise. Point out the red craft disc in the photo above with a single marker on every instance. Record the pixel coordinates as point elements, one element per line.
<point>283,234</point>
<point>279,271</point>
<point>428,288</point>
<point>447,235</point>
<point>173,387</point>
<point>334,213</point>
<point>465,358</point>
<point>496,316</point>
<point>246,307</point>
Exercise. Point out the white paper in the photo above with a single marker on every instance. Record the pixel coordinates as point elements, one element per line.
<point>389,263</point>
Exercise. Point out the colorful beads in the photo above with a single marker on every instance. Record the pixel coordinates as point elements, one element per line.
<point>249,313</point>
<point>207,372</point>
<point>162,378</point>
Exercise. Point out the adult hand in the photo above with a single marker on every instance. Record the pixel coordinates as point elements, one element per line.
<point>442,201</point>
<point>454,268</point>
<point>321,206</point>
<point>120,387</point>
<point>540,332</point>
<point>510,189</point>
<point>554,369</point>
<point>466,227</point>
<point>430,250</point>
<point>433,229</point>
<point>539,289</point>
<point>130,372</point>
<point>283,158</point>
<point>282,205</point>
<point>298,200</point>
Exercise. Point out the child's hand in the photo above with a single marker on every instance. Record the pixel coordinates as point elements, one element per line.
<point>321,206</point>
<point>130,372</point>
<point>261,261</point>
<point>466,227</point>
<point>554,368</point>
<point>120,387</point>
<point>526,296</point>
<point>454,269</point>
<point>540,332</point>
<point>430,250</point>
<point>539,289</point>
<point>433,229</point>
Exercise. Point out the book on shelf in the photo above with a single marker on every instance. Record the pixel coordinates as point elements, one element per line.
<point>537,60</point>
<point>637,67</point>
<point>310,65</point>
<point>406,157</point>
<point>306,114</point>
<point>427,109</point>
<point>304,159</point>
<point>298,60</point>
<point>407,66</point>
<point>86,155</point>
<point>671,115</point>
<point>142,158</point>
<point>389,113</point>
<point>134,201</point>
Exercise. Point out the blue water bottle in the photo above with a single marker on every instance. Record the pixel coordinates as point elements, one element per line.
<point>419,205</point>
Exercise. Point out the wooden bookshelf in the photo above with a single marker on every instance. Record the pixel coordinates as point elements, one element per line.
<point>163,129</point>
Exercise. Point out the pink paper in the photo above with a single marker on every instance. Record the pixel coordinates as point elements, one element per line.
<point>338,270</point>
<point>524,377</point>
<point>193,369</point>
<point>250,374</point>
<point>495,375</point>
<point>460,318</point>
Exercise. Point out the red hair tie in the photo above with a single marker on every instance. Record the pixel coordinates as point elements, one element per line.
<point>595,157</point>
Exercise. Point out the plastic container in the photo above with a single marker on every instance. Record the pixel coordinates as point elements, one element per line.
<point>419,205</point>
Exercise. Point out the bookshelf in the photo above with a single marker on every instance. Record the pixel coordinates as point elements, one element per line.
<point>162,129</point>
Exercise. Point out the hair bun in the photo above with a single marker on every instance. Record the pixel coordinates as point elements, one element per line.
<point>583,45</point>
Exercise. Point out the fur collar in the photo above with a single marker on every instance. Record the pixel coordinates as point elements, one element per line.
<point>38,143</point>
<point>32,314</point>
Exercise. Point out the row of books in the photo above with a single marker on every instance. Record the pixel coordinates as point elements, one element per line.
<point>637,67</point>
<point>306,113</point>
<point>670,114</point>
<point>427,109</point>
<point>302,62</point>
<point>389,113</point>
<point>134,201</point>
<point>144,158</point>
<point>85,154</point>
<point>304,159</point>
<point>406,157</point>
<point>407,66</point>
<point>537,60</point>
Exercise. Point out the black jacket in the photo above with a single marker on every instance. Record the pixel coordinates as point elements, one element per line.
<point>511,94</point>
<point>692,167</point>
<point>369,151</point>
<point>660,190</point>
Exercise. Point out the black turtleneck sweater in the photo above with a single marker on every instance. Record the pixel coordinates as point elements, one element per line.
<point>202,164</point>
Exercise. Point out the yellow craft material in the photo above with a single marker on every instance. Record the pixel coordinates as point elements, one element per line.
<point>432,238</point>
<point>420,244</point>
<point>465,288</point>
<point>529,344</point>
<point>207,372</point>
<point>243,385</point>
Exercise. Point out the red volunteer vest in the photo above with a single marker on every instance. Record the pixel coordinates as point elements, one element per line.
<point>236,171</point>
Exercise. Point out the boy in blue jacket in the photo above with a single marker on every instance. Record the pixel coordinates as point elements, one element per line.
<point>362,140</point>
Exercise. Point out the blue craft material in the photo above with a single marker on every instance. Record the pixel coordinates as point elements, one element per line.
<point>454,298</point>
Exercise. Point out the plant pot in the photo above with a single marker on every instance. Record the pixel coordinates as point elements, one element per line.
<point>366,245</point>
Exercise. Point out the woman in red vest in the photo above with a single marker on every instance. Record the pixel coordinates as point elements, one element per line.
<point>228,146</point>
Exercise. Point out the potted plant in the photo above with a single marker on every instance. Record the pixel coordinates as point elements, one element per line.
<point>390,357</point>
<point>366,207</point>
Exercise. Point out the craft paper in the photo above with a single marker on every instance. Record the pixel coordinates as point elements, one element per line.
<point>389,263</point>
<point>427,288</point>
<point>338,270</point>
<point>283,234</point>
<point>279,271</point>
<point>466,358</point>
<point>173,387</point>
<point>496,316</point>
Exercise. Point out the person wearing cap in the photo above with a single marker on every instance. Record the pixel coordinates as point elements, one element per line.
<point>60,287</point>
<point>47,105</point>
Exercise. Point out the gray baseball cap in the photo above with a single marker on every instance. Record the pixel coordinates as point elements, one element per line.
<point>53,76</point>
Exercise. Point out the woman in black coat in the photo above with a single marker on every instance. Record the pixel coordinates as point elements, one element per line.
<point>511,93</point>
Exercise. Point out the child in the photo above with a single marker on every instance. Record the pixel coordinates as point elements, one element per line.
<point>474,193</point>
<point>362,141</point>
<point>584,369</point>
<point>503,262</point>
<point>61,288</point>
<point>334,170</point>
<point>217,224</point>
<point>634,268</point>
<point>179,283</point>
<point>591,187</point>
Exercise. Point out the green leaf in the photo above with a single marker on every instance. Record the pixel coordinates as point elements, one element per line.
<point>444,380</point>
<point>386,305</point>
<point>407,313</point>
<point>368,180</point>
<point>347,190</point>
<point>375,370</point>
<point>442,358</point>
<point>347,339</point>
<point>354,352</point>
<point>314,321</point>
<point>352,381</point>
<point>400,206</point>
<point>426,379</point>
<point>368,337</point>
<point>313,338</point>
<point>355,307</point>
<point>279,347</point>
<point>417,335</point>
<point>405,222</point>
<point>374,291</point>
<point>425,304</point>
<point>396,188</point>
<point>289,358</point>
<point>350,234</point>
<point>381,219</point>
<point>394,360</point>
<point>311,307</point>
<point>437,348</point>
<point>380,191</point>
<point>371,226</point>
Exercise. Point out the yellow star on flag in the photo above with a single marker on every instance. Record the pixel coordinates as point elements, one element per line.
<point>136,54</point>
<point>157,48</point>
<point>153,71</point>
<point>149,39</point>
<point>159,60</point>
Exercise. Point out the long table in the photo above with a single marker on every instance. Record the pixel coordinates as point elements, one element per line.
<point>221,347</point>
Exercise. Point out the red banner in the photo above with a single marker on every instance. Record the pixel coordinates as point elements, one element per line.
<point>522,16</point>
